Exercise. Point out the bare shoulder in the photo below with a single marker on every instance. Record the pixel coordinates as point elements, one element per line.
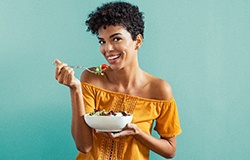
<point>91,78</point>
<point>160,88</point>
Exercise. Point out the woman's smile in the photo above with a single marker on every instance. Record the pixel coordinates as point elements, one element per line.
<point>113,58</point>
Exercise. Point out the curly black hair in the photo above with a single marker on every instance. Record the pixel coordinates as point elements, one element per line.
<point>117,13</point>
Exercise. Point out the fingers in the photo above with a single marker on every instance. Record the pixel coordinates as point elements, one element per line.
<point>129,126</point>
<point>67,76</point>
<point>63,73</point>
<point>59,68</point>
<point>128,130</point>
<point>109,134</point>
<point>112,135</point>
<point>56,61</point>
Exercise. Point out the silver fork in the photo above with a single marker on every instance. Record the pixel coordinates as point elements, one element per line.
<point>79,67</point>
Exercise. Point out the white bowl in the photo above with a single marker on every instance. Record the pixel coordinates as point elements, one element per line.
<point>107,123</point>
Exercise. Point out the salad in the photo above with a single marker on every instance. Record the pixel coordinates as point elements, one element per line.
<point>101,69</point>
<point>108,113</point>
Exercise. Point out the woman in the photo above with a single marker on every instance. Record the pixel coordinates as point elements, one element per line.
<point>124,86</point>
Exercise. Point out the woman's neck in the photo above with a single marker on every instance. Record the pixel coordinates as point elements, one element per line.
<point>126,78</point>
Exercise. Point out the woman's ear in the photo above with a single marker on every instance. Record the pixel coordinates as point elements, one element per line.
<point>138,41</point>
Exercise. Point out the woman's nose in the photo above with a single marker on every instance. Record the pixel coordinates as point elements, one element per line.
<point>108,47</point>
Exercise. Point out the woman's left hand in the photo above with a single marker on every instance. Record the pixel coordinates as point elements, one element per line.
<point>129,130</point>
<point>163,146</point>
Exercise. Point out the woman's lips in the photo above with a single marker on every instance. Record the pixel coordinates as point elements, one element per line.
<point>113,57</point>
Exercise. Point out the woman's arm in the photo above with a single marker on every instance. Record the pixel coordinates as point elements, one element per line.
<point>81,133</point>
<point>166,147</point>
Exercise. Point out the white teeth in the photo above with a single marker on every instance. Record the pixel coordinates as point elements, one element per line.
<point>113,57</point>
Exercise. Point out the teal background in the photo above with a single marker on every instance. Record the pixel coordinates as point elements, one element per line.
<point>200,47</point>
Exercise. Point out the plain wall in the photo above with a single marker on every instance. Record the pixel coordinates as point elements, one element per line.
<point>200,47</point>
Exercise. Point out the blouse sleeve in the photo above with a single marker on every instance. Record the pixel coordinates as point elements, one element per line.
<point>168,123</point>
<point>88,98</point>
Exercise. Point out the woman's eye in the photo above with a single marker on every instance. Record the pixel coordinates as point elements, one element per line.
<point>117,39</point>
<point>101,42</point>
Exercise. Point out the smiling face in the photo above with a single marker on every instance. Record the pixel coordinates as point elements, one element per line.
<point>117,46</point>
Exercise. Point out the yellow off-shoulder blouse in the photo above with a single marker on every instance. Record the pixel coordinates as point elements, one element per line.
<point>144,111</point>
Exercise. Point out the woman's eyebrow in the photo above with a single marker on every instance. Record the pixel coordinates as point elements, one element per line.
<point>113,35</point>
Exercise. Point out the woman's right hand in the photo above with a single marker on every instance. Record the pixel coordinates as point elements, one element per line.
<point>65,75</point>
